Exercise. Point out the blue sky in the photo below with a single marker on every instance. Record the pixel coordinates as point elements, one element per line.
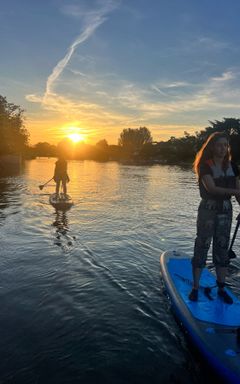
<point>99,66</point>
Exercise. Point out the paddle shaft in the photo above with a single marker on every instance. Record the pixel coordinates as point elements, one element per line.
<point>46,183</point>
<point>235,234</point>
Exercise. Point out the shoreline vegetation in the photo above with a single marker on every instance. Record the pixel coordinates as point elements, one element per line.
<point>135,145</point>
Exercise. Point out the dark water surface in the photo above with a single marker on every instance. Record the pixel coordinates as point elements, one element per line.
<point>82,300</point>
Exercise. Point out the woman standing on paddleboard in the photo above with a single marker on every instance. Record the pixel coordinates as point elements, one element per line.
<point>218,180</point>
<point>60,175</point>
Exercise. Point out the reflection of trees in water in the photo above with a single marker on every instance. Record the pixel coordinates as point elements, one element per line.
<point>11,165</point>
<point>4,188</point>
<point>10,192</point>
<point>63,239</point>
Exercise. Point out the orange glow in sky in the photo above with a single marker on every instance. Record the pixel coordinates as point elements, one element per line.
<point>76,137</point>
<point>87,86</point>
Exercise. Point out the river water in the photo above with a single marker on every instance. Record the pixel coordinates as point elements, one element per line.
<point>82,300</point>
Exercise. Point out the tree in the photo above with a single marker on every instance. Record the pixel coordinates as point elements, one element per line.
<point>14,136</point>
<point>229,125</point>
<point>45,149</point>
<point>186,147</point>
<point>102,144</point>
<point>132,140</point>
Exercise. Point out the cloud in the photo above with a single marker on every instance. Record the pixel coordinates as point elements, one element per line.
<point>107,100</point>
<point>177,84</point>
<point>82,11</point>
<point>212,44</point>
<point>158,89</point>
<point>118,102</point>
<point>34,98</point>
<point>226,76</point>
<point>78,73</point>
<point>163,87</point>
<point>215,94</point>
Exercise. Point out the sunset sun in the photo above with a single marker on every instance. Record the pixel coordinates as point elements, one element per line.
<point>76,137</point>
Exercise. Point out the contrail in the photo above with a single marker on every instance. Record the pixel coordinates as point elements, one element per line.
<point>62,63</point>
<point>97,18</point>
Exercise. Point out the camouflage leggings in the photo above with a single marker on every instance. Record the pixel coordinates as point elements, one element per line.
<point>213,223</point>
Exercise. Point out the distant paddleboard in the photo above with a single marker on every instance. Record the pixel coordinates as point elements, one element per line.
<point>61,202</point>
<point>213,325</point>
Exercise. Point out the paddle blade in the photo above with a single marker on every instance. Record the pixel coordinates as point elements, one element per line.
<point>40,187</point>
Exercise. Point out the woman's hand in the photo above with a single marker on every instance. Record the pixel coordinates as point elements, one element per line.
<point>211,187</point>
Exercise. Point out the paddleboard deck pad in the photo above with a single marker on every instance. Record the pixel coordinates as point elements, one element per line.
<point>213,325</point>
<point>61,201</point>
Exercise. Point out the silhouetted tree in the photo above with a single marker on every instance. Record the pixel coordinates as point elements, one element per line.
<point>14,136</point>
<point>45,149</point>
<point>132,140</point>
<point>115,152</point>
<point>147,151</point>
<point>186,147</point>
<point>102,144</point>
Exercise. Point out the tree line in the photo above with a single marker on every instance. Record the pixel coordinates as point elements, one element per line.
<point>134,144</point>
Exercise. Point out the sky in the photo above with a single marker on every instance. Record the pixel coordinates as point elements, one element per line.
<point>96,67</point>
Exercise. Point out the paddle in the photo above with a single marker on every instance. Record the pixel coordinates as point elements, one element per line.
<point>43,185</point>
<point>231,253</point>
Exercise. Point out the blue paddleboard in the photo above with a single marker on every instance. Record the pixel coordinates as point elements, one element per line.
<point>213,325</point>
